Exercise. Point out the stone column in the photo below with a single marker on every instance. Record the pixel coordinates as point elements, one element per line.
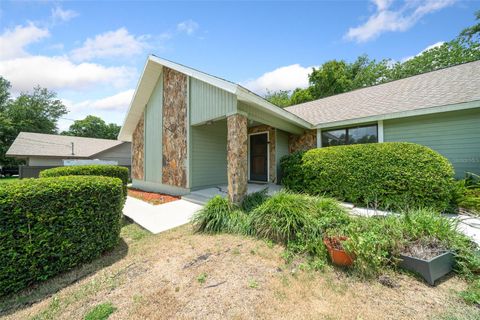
<point>237,157</point>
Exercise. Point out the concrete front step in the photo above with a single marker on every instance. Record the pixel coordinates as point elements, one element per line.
<point>196,198</point>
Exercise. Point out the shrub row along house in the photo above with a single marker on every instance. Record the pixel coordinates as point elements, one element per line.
<point>190,130</point>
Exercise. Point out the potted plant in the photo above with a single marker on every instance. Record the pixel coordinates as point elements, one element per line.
<point>427,257</point>
<point>337,253</point>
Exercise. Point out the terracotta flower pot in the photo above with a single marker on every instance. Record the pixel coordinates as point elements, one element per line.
<point>337,254</point>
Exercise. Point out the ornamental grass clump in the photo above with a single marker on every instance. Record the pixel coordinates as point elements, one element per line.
<point>284,216</point>
<point>220,215</point>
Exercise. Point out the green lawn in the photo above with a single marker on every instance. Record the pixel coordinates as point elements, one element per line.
<point>8,180</point>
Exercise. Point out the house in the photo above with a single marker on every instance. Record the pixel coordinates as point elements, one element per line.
<point>43,151</point>
<point>190,130</point>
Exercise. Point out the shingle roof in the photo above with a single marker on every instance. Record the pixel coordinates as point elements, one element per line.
<point>437,88</point>
<point>51,145</point>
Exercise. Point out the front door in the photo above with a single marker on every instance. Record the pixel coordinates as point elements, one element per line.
<point>259,157</point>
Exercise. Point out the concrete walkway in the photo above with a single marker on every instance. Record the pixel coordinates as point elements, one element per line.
<point>162,217</point>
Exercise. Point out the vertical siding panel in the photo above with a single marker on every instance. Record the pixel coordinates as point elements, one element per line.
<point>456,135</point>
<point>209,102</point>
<point>153,134</point>
<point>281,150</point>
<point>209,154</point>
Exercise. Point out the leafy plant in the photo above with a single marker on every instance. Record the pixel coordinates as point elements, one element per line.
<point>472,294</point>
<point>202,278</point>
<point>101,311</point>
<point>253,284</point>
<point>284,216</point>
<point>219,215</point>
<point>253,200</point>
<point>51,225</point>
<point>395,175</point>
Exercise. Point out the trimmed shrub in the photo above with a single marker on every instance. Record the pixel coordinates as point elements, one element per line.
<point>51,225</point>
<point>90,170</point>
<point>392,175</point>
<point>292,172</point>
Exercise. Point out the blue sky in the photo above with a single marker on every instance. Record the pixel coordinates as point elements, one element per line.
<point>92,53</point>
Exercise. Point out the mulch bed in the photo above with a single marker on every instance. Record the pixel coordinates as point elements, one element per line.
<point>152,197</point>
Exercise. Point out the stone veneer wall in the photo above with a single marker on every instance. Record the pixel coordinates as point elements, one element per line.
<point>237,150</point>
<point>272,143</point>
<point>138,151</point>
<point>174,135</point>
<point>306,141</point>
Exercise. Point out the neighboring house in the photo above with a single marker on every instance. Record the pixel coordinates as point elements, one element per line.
<point>190,130</point>
<point>42,151</point>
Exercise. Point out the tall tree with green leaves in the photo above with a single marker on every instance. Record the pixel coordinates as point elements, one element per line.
<point>280,98</point>
<point>93,127</point>
<point>36,111</point>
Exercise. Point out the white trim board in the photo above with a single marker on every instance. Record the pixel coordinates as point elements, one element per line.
<point>268,155</point>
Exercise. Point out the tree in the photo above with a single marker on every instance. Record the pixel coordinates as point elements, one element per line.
<point>472,32</point>
<point>38,111</point>
<point>301,95</point>
<point>280,98</point>
<point>93,127</point>
<point>448,54</point>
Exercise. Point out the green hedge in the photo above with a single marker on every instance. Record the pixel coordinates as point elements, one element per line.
<point>53,224</point>
<point>91,170</point>
<point>395,175</point>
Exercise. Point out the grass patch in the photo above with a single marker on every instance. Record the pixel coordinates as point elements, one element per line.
<point>101,312</point>
<point>299,222</point>
<point>6,180</point>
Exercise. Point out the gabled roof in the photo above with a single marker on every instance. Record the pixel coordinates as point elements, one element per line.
<point>29,144</point>
<point>445,87</point>
<point>149,79</point>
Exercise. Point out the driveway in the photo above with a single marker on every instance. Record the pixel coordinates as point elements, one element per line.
<point>162,217</point>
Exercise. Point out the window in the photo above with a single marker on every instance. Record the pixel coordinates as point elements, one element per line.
<point>337,137</point>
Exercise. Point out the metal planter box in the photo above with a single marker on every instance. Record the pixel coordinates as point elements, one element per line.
<point>432,269</point>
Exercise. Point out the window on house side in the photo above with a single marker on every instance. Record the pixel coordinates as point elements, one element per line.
<point>354,135</point>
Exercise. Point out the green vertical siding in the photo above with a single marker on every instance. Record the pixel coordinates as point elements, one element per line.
<point>281,150</point>
<point>455,134</point>
<point>153,134</point>
<point>266,118</point>
<point>208,102</point>
<point>209,154</point>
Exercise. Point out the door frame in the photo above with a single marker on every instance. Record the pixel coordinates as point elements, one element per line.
<point>268,155</point>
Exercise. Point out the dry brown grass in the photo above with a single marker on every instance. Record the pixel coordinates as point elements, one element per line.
<point>155,277</point>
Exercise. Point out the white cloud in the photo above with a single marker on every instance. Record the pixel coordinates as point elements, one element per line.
<point>61,73</point>
<point>386,19</point>
<point>432,46</point>
<point>117,102</point>
<point>283,78</point>
<point>14,41</point>
<point>187,26</point>
<point>118,43</point>
<point>59,14</point>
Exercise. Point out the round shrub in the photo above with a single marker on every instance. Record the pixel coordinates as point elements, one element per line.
<point>50,225</point>
<point>90,170</point>
<point>392,175</point>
